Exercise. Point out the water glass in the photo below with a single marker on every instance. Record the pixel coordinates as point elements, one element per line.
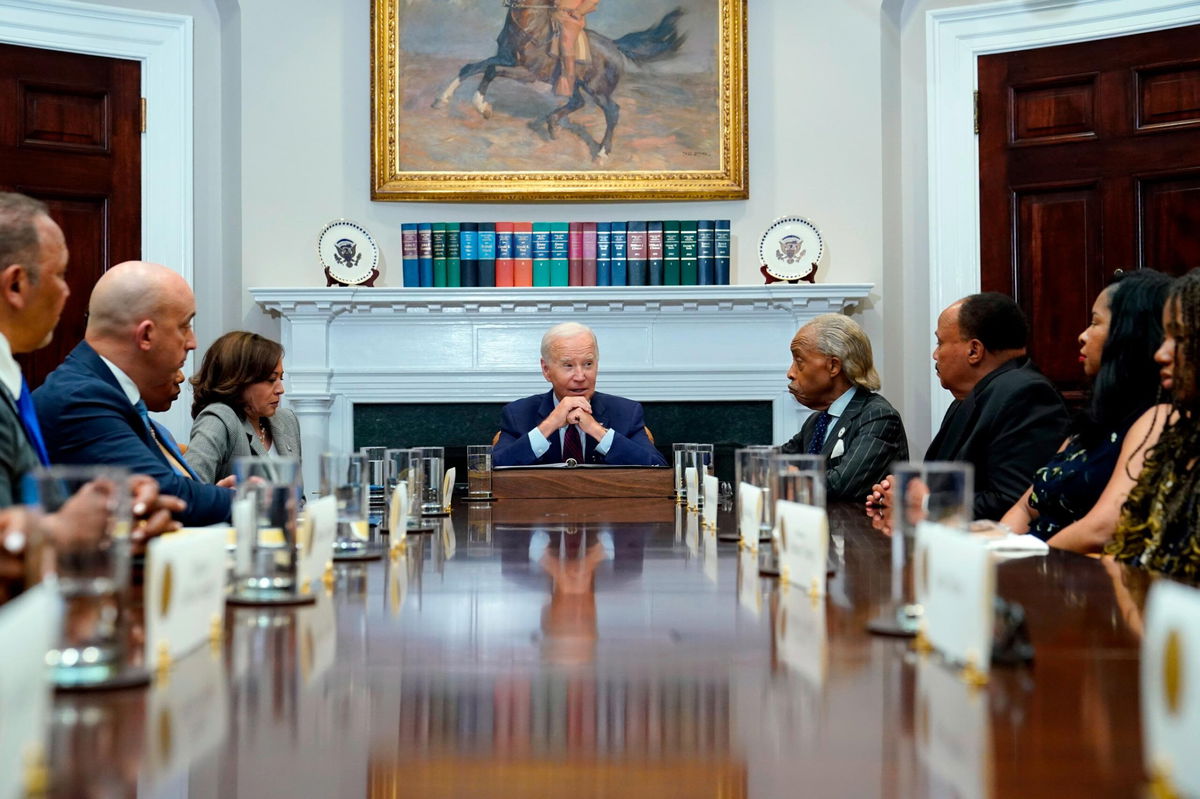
<point>92,556</point>
<point>265,509</point>
<point>752,466</point>
<point>404,466</point>
<point>680,461</point>
<point>479,473</point>
<point>700,458</point>
<point>432,463</point>
<point>344,476</point>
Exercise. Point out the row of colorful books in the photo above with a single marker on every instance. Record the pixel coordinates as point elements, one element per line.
<point>484,254</point>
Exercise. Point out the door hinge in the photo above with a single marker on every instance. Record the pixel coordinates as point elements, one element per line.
<point>143,111</point>
<point>975,99</point>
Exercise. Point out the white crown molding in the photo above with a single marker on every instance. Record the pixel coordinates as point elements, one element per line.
<point>955,38</point>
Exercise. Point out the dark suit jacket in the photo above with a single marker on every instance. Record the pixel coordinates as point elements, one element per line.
<point>630,446</point>
<point>86,418</point>
<point>1011,424</point>
<point>17,456</point>
<point>872,437</point>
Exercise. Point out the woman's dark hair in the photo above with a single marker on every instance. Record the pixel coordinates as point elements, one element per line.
<point>1164,505</point>
<point>1127,383</point>
<point>233,362</point>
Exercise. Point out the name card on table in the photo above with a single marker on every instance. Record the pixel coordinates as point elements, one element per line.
<point>800,637</point>
<point>187,717</point>
<point>398,514</point>
<point>955,579</point>
<point>448,488</point>
<point>953,735</point>
<point>1170,678</point>
<point>803,532</point>
<point>320,517</point>
<point>712,498</point>
<point>184,593</point>
<point>692,483</point>
<point>750,515</point>
<point>29,628</point>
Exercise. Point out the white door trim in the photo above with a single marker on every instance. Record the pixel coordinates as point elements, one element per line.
<point>955,38</point>
<point>163,45</point>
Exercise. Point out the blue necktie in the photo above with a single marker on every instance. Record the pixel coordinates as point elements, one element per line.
<point>818,439</point>
<point>29,421</point>
<point>164,439</point>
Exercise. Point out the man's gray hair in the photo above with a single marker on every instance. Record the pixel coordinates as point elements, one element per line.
<point>19,242</point>
<point>838,336</point>
<point>566,330</point>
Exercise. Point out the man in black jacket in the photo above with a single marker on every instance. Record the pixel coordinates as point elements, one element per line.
<point>1007,419</point>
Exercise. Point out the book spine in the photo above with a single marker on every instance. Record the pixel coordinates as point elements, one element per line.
<point>617,272</point>
<point>603,254</point>
<point>671,253</point>
<point>560,248</point>
<point>589,254</point>
<point>722,247</point>
<point>687,253</point>
<point>410,250</point>
<point>706,254</point>
<point>504,254</point>
<point>575,253</point>
<point>522,254</point>
<point>439,254</point>
<point>468,244</point>
<point>453,256</point>
<point>635,254</point>
<point>541,253</point>
<point>654,253</point>
<point>487,254</point>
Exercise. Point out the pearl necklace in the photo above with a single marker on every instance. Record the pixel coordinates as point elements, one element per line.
<point>261,432</point>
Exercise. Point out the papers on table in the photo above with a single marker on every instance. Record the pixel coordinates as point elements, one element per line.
<point>1170,686</point>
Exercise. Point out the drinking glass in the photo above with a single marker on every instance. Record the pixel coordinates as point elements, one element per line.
<point>344,476</point>
<point>479,473</point>
<point>795,478</point>
<point>751,466</point>
<point>935,491</point>
<point>432,462</point>
<point>700,458</point>
<point>680,462</point>
<point>267,557</point>
<point>91,557</point>
<point>377,478</point>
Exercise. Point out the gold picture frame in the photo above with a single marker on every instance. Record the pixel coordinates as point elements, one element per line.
<point>679,131</point>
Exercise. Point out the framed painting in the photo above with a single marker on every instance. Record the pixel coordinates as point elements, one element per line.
<point>558,100</point>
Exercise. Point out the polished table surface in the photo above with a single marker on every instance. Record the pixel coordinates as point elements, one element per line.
<point>609,648</point>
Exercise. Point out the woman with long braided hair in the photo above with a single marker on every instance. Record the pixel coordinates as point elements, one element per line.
<point>1159,528</point>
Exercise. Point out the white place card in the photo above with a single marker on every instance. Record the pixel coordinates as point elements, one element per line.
<point>321,518</point>
<point>956,579</point>
<point>448,488</point>
<point>29,628</point>
<point>187,718</point>
<point>398,514</point>
<point>800,636</point>
<point>1170,678</point>
<point>712,498</point>
<point>750,514</point>
<point>184,592</point>
<point>803,532</point>
<point>953,734</point>
<point>749,582</point>
<point>693,486</point>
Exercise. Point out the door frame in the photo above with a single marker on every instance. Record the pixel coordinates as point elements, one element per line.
<point>163,45</point>
<point>955,39</point>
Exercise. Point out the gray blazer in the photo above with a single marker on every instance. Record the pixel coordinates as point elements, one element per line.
<point>219,436</point>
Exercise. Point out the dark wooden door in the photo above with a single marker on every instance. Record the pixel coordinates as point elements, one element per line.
<point>70,135</point>
<point>1089,163</point>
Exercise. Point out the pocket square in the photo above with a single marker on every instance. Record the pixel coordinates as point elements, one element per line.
<point>839,449</point>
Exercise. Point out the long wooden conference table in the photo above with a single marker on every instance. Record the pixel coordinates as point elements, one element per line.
<point>608,647</point>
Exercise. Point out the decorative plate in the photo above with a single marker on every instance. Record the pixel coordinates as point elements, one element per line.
<point>348,253</point>
<point>790,249</point>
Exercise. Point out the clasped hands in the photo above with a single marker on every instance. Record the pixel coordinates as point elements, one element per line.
<point>572,410</point>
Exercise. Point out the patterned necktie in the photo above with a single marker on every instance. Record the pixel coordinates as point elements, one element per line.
<point>29,421</point>
<point>818,438</point>
<point>572,446</point>
<point>166,444</point>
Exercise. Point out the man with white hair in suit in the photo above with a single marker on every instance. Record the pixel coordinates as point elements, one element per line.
<point>858,431</point>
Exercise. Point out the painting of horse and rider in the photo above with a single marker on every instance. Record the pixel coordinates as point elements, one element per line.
<point>628,93</point>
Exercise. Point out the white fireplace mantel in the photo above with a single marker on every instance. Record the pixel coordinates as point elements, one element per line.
<point>699,343</point>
